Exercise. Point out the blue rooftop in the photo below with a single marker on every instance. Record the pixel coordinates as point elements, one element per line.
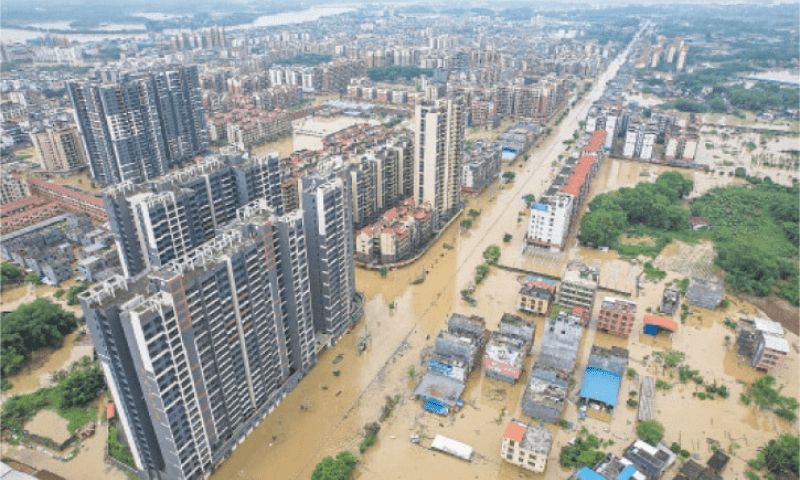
<point>626,473</point>
<point>533,278</point>
<point>601,385</point>
<point>586,474</point>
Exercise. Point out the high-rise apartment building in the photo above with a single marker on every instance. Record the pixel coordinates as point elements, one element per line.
<point>59,149</point>
<point>439,141</point>
<point>164,219</point>
<point>198,352</point>
<point>327,214</point>
<point>139,127</point>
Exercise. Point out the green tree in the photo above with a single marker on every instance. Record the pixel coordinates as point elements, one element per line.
<point>650,431</point>
<point>603,227</point>
<point>81,387</point>
<point>32,326</point>
<point>492,254</point>
<point>9,273</point>
<point>33,279</point>
<point>781,455</point>
<point>339,469</point>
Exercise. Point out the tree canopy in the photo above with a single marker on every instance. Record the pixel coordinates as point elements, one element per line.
<point>338,469</point>
<point>32,326</point>
<point>650,204</point>
<point>10,273</point>
<point>781,455</point>
<point>650,431</point>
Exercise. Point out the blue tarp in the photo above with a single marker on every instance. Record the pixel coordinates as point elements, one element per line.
<point>651,329</point>
<point>626,473</point>
<point>601,385</point>
<point>586,474</point>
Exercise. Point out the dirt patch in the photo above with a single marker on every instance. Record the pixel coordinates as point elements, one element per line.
<point>689,260</point>
<point>649,241</point>
<point>778,310</point>
<point>48,424</point>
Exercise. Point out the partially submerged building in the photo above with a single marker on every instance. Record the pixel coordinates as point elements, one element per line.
<point>455,355</point>
<point>670,301</point>
<point>654,324</point>
<point>508,347</point>
<point>578,286</point>
<point>536,295</point>
<point>763,341</point>
<point>548,383</point>
<point>616,316</point>
<point>651,461</point>
<point>603,376</point>
<point>704,293</point>
<point>526,445</point>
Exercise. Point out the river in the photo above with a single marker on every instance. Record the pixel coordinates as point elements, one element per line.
<point>11,35</point>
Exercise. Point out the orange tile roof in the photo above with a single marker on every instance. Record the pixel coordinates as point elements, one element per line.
<point>515,431</point>
<point>596,141</point>
<point>661,322</point>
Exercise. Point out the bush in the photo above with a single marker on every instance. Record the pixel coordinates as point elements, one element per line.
<point>650,431</point>
<point>10,273</point>
<point>632,403</point>
<point>631,372</point>
<point>366,443</point>
<point>339,469</point>
<point>663,385</point>
<point>5,384</point>
<point>745,399</point>
<point>675,447</point>
<point>563,423</point>
<point>117,450</point>
<point>58,293</point>
<point>685,454</point>
<point>33,279</point>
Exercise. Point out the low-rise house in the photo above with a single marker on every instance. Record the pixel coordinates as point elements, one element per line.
<point>536,295</point>
<point>670,301</point>
<point>603,376</point>
<point>651,461</point>
<point>526,445</point>
<point>704,293</point>
<point>762,340</point>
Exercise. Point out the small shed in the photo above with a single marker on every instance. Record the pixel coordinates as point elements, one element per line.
<point>452,447</point>
<point>717,462</point>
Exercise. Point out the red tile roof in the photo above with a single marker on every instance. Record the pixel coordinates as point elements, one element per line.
<point>21,204</point>
<point>515,431</point>
<point>596,141</point>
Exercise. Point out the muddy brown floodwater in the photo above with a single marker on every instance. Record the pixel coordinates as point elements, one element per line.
<point>291,441</point>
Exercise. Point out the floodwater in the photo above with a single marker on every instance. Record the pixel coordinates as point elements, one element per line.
<point>36,374</point>
<point>88,464</point>
<point>291,441</point>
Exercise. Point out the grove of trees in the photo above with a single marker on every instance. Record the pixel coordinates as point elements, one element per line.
<point>338,469</point>
<point>32,326</point>
<point>650,204</point>
<point>756,229</point>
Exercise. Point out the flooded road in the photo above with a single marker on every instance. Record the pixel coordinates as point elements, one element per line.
<point>402,319</point>
<point>291,441</point>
